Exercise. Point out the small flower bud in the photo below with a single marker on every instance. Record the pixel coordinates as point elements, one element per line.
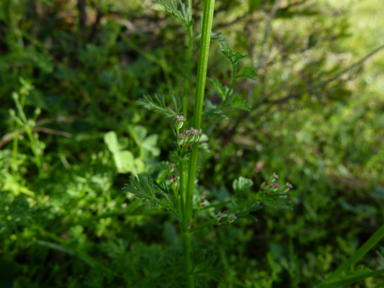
<point>203,200</point>
<point>189,147</point>
<point>275,175</point>
<point>289,185</point>
<point>226,212</point>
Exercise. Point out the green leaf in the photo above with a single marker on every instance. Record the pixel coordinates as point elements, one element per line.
<point>56,247</point>
<point>157,104</point>
<point>247,72</point>
<point>238,103</point>
<point>222,90</point>
<point>249,217</point>
<point>352,279</point>
<point>242,185</point>
<point>146,189</point>
<point>149,144</point>
<point>212,112</point>
<point>124,161</point>
<point>114,145</point>
<point>139,133</point>
<point>233,57</point>
<point>184,15</point>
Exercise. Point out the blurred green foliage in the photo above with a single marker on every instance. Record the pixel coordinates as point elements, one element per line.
<point>74,132</point>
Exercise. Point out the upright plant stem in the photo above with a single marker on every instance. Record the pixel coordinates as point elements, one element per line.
<point>197,113</point>
<point>183,164</point>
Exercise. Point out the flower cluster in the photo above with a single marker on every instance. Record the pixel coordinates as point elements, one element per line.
<point>180,121</point>
<point>189,136</point>
<point>172,177</point>
<point>172,166</point>
<point>271,187</point>
<point>221,215</point>
<point>275,175</point>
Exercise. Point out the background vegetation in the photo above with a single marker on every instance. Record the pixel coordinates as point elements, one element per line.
<point>71,72</point>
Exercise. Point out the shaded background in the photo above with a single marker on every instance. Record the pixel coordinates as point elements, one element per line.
<point>316,119</point>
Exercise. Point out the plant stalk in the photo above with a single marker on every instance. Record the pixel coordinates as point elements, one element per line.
<point>183,163</point>
<point>197,114</point>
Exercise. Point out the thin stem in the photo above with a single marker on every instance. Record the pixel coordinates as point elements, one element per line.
<point>355,257</point>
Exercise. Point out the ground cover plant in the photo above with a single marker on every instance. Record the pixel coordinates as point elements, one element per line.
<point>75,127</point>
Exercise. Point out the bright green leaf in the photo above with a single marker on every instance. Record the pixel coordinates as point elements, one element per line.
<point>124,161</point>
<point>110,139</point>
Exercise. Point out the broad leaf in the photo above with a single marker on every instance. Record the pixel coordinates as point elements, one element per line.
<point>114,145</point>
<point>125,162</point>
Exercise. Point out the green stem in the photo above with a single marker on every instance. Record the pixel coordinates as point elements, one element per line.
<point>199,98</point>
<point>183,163</point>
<point>197,113</point>
<point>355,257</point>
<point>187,251</point>
<point>230,91</point>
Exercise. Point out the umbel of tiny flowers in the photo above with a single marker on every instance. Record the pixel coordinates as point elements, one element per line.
<point>221,215</point>
<point>275,175</point>
<point>189,136</point>
<point>272,187</point>
<point>180,121</point>
<point>172,166</point>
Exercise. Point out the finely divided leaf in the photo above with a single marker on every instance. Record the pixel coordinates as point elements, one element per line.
<point>147,189</point>
<point>222,90</point>
<point>233,57</point>
<point>212,112</point>
<point>247,72</point>
<point>238,103</point>
<point>157,104</point>
<point>242,185</point>
<point>184,15</point>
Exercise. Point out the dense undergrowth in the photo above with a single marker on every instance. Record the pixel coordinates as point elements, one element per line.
<point>72,133</point>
